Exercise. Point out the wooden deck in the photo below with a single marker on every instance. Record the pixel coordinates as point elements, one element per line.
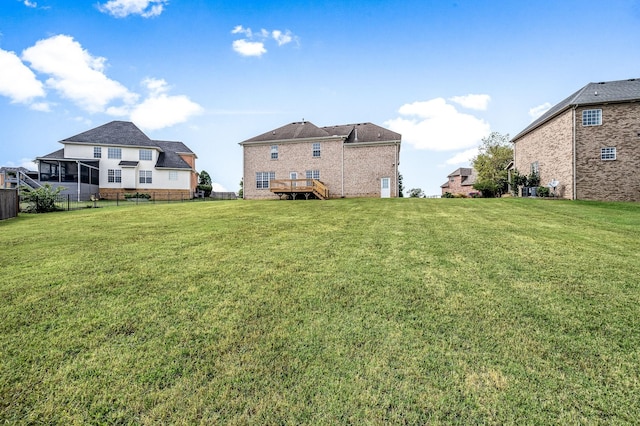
<point>292,188</point>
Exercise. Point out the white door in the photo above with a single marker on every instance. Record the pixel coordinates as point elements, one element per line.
<point>385,187</point>
<point>293,176</point>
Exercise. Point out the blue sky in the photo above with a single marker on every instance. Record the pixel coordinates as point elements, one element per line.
<point>214,73</point>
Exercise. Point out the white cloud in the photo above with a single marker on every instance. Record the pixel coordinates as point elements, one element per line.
<point>477,102</point>
<point>30,4</point>
<point>436,125</point>
<point>462,157</point>
<point>75,74</point>
<point>217,187</point>
<point>249,48</point>
<point>282,38</point>
<point>17,81</point>
<point>536,112</point>
<point>124,8</point>
<point>160,110</point>
<point>27,163</point>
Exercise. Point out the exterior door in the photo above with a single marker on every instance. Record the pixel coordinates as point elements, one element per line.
<point>385,187</point>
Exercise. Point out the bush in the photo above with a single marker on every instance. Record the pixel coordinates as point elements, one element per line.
<point>137,195</point>
<point>542,191</point>
<point>447,195</point>
<point>41,200</point>
<point>206,188</point>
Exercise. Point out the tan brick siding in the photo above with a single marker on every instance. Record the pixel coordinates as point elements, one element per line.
<point>456,187</point>
<point>363,167</point>
<point>615,180</point>
<point>551,146</point>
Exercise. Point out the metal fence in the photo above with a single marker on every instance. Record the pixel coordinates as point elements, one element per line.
<point>95,200</point>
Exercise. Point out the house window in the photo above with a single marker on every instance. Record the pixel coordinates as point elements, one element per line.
<point>535,168</point>
<point>316,149</point>
<point>592,117</point>
<point>313,174</point>
<point>145,176</point>
<point>115,153</point>
<point>274,152</point>
<point>263,178</point>
<point>173,175</point>
<point>608,153</point>
<point>146,155</point>
<point>97,152</point>
<point>114,176</point>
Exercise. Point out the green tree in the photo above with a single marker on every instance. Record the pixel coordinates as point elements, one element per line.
<point>495,153</point>
<point>416,193</point>
<point>241,191</point>
<point>204,183</point>
<point>400,186</point>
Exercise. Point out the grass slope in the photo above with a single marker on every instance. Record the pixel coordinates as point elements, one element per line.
<point>342,311</point>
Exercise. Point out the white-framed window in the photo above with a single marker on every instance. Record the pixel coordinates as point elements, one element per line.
<point>608,153</point>
<point>313,174</point>
<point>274,152</point>
<point>535,168</point>
<point>145,155</point>
<point>97,152</point>
<point>173,175</point>
<point>316,149</point>
<point>263,178</point>
<point>114,175</point>
<point>592,117</point>
<point>145,176</point>
<point>115,153</point>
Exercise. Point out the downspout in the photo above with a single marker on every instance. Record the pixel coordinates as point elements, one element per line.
<point>342,180</point>
<point>573,131</point>
<point>397,176</point>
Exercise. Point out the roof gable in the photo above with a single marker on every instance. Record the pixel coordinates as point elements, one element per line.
<point>591,94</point>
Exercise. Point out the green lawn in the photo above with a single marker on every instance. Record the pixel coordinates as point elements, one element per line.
<point>323,312</point>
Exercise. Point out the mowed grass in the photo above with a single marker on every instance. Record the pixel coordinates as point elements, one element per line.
<point>323,312</point>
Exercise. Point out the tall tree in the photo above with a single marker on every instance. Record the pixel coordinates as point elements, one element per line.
<point>490,164</point>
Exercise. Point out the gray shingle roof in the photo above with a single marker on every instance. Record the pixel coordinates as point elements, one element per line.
<point>366,132</point>
<point>123,133</point>
<point>591,94</point>
<point>55,155</point>
<point>169,157</point>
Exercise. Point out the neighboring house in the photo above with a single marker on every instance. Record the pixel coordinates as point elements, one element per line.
<point>351,160</point>
<point>460,182</point>
<point>117,158</point>
<point>589,143</point>
<point>13,177</point>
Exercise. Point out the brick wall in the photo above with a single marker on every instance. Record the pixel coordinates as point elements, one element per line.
<point>551,146</point>
<point>157,194</point>
<point>363,166</point>
<point>614,180</point>
<point>456,186</point>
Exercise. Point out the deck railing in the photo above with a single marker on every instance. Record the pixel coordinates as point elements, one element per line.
<point>286,186</point>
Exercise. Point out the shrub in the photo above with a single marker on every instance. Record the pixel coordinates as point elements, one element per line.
<point>447,195</point>
<point>137,195</point>
<point>542,191</point>
<point>41,200</point>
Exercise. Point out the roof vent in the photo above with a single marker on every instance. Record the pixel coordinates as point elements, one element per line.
<point>602,82</point>
<point>596,93</point>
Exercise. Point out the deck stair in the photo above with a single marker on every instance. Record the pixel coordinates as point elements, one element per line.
<point>292,188</point>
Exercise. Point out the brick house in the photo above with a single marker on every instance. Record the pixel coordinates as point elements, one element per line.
<point>589,143</point>
<point>460,181</point>
<point>117,158</point>
<point>351,160</point>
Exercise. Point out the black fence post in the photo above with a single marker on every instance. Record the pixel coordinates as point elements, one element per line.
<point>68,202</point>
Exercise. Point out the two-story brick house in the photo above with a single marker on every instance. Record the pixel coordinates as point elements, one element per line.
<point>117,158</point>
<point>460,181</point>
<point>351,160</point>
<point>589,143</point>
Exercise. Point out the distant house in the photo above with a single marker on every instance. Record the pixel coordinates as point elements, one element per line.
<point>301,159</point>
<point>117,158</point>
<point>589,143</point>
<point>460,181</point>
